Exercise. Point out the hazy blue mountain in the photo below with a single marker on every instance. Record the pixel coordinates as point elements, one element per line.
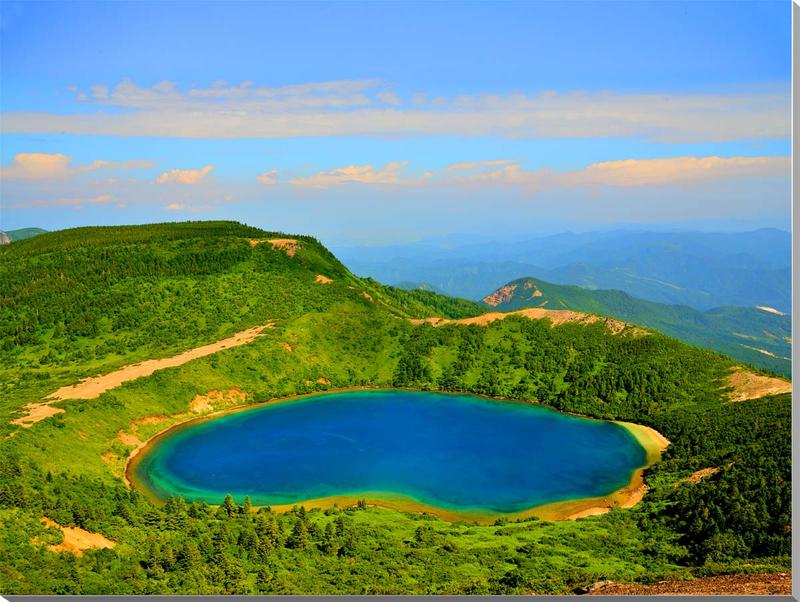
<point>759,336</point>
<point>419,286</point>
<point>22,233</point>
<point>699,269</point>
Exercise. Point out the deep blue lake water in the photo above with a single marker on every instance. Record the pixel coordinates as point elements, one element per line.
<point>459,452</point>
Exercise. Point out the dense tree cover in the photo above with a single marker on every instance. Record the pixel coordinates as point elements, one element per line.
<point>744,510</point>
<point>574,367</point>
<point>178,291</point>
<point>410,301</point>
<point>105,236</point>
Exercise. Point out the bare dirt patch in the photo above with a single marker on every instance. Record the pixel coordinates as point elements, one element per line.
<point>36,411</point>
<point>95,386</point>
<point>323,381</point>
<point>746,385</point>
<point>289,245</point>
<point>214,400</point>
<point>76,540</point>
<point>556,316</point>
<point>366,295</point>
<point>127,439</point>
<point>320,279</point>
<point>595,511</point>
<point>759,584</point>
<point>287,347</point>
<point>145,420</point>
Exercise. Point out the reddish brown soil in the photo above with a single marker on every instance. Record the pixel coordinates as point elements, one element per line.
<point>722,585</point>
<point>501,295</point>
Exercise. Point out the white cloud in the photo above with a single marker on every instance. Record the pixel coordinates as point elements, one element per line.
<point>268,178</point>
<point>366,108</point>
<point>53,166</point>
<point>37,166</point>
<point>184,176</point>
<point>176,207</point>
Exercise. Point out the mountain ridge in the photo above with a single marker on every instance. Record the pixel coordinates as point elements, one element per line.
<point>699,269</point>
<point>754,335</point>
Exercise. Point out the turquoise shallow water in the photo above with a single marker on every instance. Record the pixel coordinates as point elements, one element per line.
<point>459,452</point>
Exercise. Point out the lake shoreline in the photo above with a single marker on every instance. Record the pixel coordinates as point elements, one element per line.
<point>628,496</point>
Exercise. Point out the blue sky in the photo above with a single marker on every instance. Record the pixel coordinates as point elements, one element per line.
<point>384,122</point>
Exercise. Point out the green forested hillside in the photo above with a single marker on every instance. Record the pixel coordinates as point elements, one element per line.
<point>86,301</point>
<point>749,334</point>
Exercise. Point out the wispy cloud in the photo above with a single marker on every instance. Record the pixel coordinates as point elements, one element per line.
<point>469,165</point>
<point>268,178</point>
<point>367,108</point>
<point>221,97</point>
<point>656,172</point>
<point>391,173</point>
<point>76,203</point>
<point>672,171</point>
<point>185,176</point>
<point>53,166</point>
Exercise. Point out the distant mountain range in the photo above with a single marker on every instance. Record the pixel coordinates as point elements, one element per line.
<point>757,335</point>
<point>21,234</point>
<point>699,269</point>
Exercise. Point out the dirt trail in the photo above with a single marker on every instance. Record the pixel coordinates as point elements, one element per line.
<point>698,476</point>
<point>76,540</point>
<point>556,316</point>
<point>759,584</point>
<point>95,386</point>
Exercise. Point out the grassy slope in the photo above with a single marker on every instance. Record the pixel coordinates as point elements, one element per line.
<point>736,331</point>
<point>336,334</point>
